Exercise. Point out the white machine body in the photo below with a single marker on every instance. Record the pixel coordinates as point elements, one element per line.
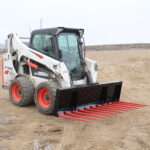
<point>17,50</point>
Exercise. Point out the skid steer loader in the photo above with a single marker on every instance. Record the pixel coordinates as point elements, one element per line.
<point>51,70</point>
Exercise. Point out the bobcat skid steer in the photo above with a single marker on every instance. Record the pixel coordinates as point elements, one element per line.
<point>51,70</point>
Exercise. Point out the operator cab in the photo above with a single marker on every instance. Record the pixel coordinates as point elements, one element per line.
<point>63,44</point>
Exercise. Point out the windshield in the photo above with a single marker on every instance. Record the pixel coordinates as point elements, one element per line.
<point>68,45</point>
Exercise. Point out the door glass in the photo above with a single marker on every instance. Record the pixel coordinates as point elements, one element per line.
<point>70,51</point>
<point>68,45</point>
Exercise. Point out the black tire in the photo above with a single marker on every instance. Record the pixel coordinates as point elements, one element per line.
<point>48,97</point>
<point>24,91</point>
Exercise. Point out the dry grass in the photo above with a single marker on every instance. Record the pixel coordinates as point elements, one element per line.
<point>127,131</point>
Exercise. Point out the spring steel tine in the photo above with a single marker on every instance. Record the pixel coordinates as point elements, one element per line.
<point>97,112</point>
<point>80,116</point>
<point>89,114</point>
<point>72,118</point>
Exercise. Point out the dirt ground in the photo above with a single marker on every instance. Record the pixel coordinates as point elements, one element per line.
<point>21,128</point>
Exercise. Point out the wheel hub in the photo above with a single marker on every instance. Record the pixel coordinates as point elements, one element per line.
<point>16,92</point>
<point>43,98</point>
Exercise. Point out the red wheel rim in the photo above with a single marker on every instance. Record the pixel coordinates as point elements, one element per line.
<point>43,98</point>
<point>16,92</point>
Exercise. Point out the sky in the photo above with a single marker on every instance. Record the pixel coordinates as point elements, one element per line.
<point>104,21</point>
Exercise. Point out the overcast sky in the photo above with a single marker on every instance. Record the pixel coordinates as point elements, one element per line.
<point>104,21</point>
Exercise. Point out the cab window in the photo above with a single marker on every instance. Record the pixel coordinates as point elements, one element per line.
<point>42,43</point>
